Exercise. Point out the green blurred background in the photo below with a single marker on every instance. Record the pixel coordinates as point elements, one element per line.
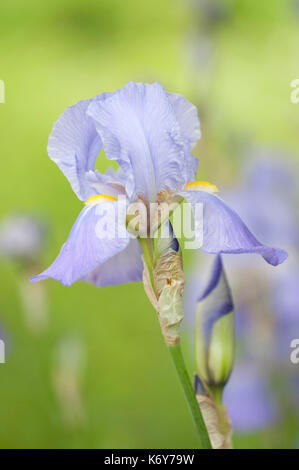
<point>96,374</point>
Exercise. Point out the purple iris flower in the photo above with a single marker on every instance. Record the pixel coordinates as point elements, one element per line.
<point>150,133</point>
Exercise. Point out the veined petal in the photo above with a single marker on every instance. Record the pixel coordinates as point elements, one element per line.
<point>224,231</point>
<point>140,130</point>
<point>191,166</point>
<point>187,117</point>
<point>74,145</point>
<point>111,182</point>
<point>95,237</point>
<point>125,266</point>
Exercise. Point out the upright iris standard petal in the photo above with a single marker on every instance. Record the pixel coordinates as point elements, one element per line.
<point>224,231</point>
<point>125,266</point>
<point>187,117</point>
<point>74,145</point>
<point>95,237</point>
<point>214,329</point>
<point>140,130</point>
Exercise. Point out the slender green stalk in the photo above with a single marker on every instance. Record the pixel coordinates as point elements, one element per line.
<point>169,322</point>
<point>179,364</point>
<point>148,254</point>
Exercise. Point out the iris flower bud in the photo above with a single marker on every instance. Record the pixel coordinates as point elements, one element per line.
<point>214,332</point>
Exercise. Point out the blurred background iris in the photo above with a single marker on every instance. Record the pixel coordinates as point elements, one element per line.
<point>87,367</point>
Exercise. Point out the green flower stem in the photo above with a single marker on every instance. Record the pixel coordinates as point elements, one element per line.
<point>216,394</point>
<point>147,246</point>
<point>176,354</point>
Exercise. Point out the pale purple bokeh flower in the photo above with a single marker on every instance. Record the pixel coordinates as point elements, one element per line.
<point>249,398</point>
<point>22,236</point>
<point>266,302</point>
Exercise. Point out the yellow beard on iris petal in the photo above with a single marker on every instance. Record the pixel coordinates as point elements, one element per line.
<point>99,198</point>
<point>201,186</point>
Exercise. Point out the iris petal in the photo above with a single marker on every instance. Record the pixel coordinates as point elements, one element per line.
<point>186,115</point>
<point>74,145</point>
<point>140,130</point>
<point>224,231</point>
<point>125,266</point>
<point>148,131</point>
<point>94,238</point>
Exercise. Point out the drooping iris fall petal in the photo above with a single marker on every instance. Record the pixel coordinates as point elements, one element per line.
<point>125,266</point>
<point>225,232</point>
<point>90,244</point>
